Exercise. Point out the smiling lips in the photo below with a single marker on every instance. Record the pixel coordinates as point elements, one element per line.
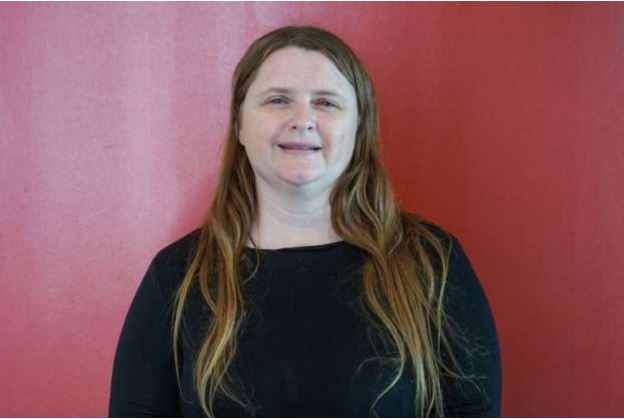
<point>292,146</point>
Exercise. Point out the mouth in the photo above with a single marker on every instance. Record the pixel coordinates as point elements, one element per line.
<point>300,151</point>
<point>298,147</point>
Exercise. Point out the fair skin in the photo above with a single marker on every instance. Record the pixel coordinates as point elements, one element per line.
<point>297,101</point>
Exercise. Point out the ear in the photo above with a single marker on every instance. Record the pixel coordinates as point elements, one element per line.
<point>238,131</point>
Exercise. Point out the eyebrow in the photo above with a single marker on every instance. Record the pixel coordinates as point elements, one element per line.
<point>286,90</point>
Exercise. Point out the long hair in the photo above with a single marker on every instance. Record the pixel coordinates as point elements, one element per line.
<point>406,264</point>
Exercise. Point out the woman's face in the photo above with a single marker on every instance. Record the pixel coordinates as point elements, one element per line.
<point>298,121</point>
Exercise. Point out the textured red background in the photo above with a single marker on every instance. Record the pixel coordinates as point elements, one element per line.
<point>501,122</point>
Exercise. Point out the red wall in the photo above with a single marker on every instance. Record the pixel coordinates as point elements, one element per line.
<point>501,122</point>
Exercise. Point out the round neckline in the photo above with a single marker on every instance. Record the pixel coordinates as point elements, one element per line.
<point>301,248</point>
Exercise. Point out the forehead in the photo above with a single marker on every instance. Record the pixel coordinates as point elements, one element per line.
<point>299,69</point>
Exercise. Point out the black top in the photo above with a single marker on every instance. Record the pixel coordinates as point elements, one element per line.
<point>303,341</point>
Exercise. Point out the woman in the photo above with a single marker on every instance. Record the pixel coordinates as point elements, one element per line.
<point>307,291</point>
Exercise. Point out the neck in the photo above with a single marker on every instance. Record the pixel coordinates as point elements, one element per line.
<point>291,220</point>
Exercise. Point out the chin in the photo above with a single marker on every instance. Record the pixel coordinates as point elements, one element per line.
<point>300,179</point>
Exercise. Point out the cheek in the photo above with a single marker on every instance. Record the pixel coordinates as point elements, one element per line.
<point>257,133</point>
<point>342,142</point>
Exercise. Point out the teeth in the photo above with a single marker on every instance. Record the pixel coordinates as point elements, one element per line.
<point>299,147</point>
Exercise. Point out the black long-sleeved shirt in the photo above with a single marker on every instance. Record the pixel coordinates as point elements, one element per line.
<point>303,341</point>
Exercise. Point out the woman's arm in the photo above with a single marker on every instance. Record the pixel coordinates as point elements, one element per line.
<point>479,353</point>
<point>143,381</point>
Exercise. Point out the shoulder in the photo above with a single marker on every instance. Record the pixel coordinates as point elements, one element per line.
<point>179,249</point>
<point>171,262</point>
<point>428,231</point>
<point>465,296</point>
<point>461,273</point>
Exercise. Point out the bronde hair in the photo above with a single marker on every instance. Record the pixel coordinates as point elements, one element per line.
<point>402,284</point>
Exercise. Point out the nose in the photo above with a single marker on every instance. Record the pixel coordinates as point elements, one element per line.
<point>303,119</point>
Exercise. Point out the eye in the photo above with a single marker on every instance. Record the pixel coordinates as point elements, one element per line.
<point>326,103</point>
<point>277,100</point>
